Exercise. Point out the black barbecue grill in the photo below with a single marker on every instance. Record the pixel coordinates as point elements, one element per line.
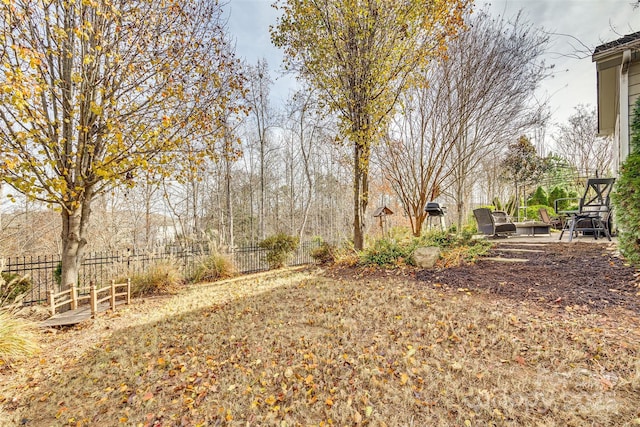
<point>434,210</point>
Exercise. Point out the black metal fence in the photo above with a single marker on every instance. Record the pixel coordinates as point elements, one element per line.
<point>102,267</point>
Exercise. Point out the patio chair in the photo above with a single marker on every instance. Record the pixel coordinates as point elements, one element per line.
<point>555,222</point>
<point>495,223</point>
<point>594,210</point>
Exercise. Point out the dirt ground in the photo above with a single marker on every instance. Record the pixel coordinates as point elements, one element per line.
<point>572,276</point>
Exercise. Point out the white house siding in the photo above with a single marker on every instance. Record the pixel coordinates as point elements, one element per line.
<point>634,87</point>
<point>618,87</point>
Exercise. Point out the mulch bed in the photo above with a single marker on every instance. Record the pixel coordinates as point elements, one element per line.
<point>576,275</point>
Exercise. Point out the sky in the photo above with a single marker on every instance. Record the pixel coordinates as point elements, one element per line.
<point>591,22</point>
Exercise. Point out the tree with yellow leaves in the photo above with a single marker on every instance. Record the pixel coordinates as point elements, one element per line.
<point>92,92</point>
<point>360,54</point>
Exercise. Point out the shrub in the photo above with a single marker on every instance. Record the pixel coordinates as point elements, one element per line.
<point>279,247</point>
<point>532,212</point>
<point>559,193</point>
<point>346,255</point>
<point>539,197</point>
<point>17,337</point>
<point>455,249</point>
<point>461,248</point>
<point>389,253</point>
<point>400,233</point>
<point>12,286</point>
<point>214,267</point>
<point>468,231</point>
<point>562,193</point>
<point>467,252</point>
<point>439,238</point>
<point>626,199</point>
<point>325,253</point>
<point>57,273</point>
<point>164,277</point>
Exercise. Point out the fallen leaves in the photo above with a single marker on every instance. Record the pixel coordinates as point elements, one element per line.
<point>352,354</point>
<point>404,378</point>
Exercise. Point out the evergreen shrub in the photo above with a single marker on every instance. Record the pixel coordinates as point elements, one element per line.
<point>533,212</point>
<point>389,253</point>
<point>279,247</point>
<point>539,197</point>
<point>626,196</point>
<point>626,199</point>
<point>392,253</point>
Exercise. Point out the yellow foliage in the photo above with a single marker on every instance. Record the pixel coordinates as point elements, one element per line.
<point>63,112</point>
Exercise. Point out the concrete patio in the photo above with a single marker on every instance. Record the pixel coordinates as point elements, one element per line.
<point>549,238</point>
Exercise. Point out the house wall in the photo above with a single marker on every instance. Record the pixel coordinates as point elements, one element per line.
<point>608,99</point>
<point>618,88</point>
<point>634,87</point>
<point>624,90</point>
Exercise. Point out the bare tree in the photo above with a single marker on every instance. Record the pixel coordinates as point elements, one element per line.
<point>577,141</point>
<point>308,132</point>
<point>522,166</point>
<point>259,86</point>
<point>231,153</point>
<point>413,156</point>
<point>493,71</point>
<point>476,100</point>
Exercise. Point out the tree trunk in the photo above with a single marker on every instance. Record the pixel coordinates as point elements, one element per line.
<point>421,216</point>
<point>261,225</point>
<point>460,207</point>
<point>229,204</point>
<point>418,229</point>
<point>307,173</point>
<point>360,193</point>
<point>516,203</point>
<point>147,219</point>
<point>74,225</point>
<point>460,204</point>
<point>196,238</point>
<point>307,204</point>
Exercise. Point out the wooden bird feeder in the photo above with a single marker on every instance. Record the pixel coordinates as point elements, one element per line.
<point>381,213</point>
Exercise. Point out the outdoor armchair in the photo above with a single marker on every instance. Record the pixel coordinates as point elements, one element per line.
<point>495,223</point>
<point>555,222</point>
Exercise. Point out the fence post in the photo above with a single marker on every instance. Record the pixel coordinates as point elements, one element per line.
<point>73,291</point>
<point>113,295</point>
<point>93,299</point>
<point>128,291</point>
<point>52,302</point>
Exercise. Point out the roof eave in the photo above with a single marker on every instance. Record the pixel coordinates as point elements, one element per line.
<point>616,48</point>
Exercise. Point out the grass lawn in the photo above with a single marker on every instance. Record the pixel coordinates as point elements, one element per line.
<point>302,348</point>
